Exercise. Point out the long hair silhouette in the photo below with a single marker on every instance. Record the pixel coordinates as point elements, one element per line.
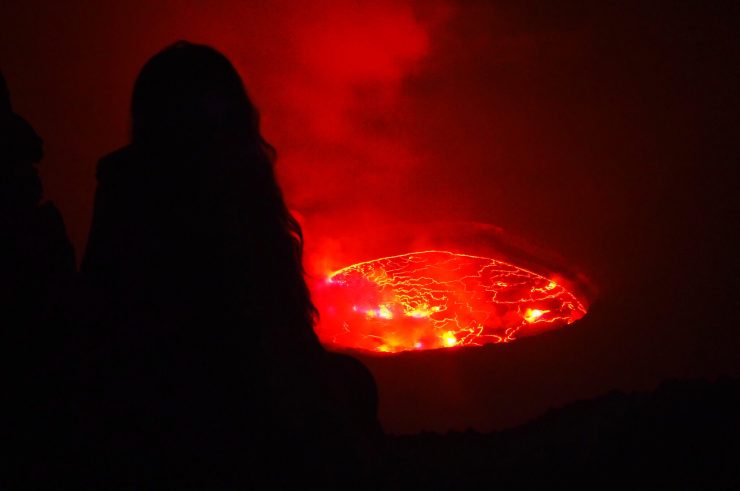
<point>197,130</point>
<point>207,322</point>
<point>209,106</point>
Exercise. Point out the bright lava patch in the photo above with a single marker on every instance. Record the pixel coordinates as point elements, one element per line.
<point>438,299</point>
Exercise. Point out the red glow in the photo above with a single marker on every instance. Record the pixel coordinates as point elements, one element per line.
<point>438,299</point>
<point>373,43</point>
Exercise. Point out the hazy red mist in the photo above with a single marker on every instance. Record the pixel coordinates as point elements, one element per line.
<point>599,137</point>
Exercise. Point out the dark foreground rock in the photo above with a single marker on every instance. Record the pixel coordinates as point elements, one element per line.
<point>684,435</point>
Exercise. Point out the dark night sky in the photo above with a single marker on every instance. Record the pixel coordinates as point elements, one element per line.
<point>605,132</point>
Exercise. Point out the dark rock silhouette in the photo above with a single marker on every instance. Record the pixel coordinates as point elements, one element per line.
<point>208,367</point>
<point>683,435</point>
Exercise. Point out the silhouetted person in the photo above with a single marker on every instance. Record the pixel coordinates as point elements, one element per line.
<point>36,253</point>
<point>36,267</point>
<point>210,366</point>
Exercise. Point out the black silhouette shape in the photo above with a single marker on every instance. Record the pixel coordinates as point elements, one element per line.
<point>36,270</point>
<point>209,367</point>
<point>683,435</point>
<point>36,253</point>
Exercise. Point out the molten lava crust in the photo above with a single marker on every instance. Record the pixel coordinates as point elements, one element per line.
<point>438,299</point>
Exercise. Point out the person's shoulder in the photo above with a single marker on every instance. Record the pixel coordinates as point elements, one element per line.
<point>115,163</point>
<point>51,217</point>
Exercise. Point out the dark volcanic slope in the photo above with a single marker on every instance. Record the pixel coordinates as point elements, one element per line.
<point>683,435</point>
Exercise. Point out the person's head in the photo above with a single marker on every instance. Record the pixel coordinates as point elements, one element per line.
<point>189,93</point>
<point>20,148</point>
<point>20,145</point>
<point>191,97</point>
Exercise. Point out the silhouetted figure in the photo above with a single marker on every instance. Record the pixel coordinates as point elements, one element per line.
<point>36,253</point>
<point>36,268</point>
<point>209,366</point>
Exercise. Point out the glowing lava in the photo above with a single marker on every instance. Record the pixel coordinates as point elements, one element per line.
<point>438,299</point>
